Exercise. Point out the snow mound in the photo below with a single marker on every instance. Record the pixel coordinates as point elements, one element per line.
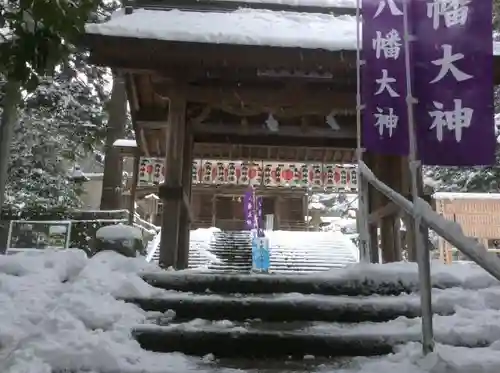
<point>118,232</point>
<point>59,312</point>
<point>466,275</point>
<point>445,359</point>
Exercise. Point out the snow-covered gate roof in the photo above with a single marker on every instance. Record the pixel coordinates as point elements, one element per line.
<point>301,62</point>
<point>223,33</point>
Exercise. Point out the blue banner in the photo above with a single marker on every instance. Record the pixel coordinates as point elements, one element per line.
<point>260,254</point>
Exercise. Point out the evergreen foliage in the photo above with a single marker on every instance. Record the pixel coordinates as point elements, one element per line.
<point>62,115</point>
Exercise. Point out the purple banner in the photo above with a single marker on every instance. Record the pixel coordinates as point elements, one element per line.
<point>248,209</point>
<point>453,59</point>
<point>385,124</point>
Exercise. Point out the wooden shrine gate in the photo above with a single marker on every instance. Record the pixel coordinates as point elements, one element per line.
<point>246,91</point>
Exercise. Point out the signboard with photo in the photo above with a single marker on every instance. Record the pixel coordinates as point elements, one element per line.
<point>38,235</point>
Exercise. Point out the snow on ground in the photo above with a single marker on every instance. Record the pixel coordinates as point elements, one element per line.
<point>445,359</point>
<point>469,276</point>
<point>59,311</point>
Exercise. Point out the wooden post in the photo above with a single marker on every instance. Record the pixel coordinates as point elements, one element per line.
<point>214,210</point>
<point>410,232</point>
<point>187,180</point>
<point>386,168</point>
<point>170,191</point>
<point>390,225</point>
<point>133,187</point>
<point>277,213</point>
<point>373,202</point>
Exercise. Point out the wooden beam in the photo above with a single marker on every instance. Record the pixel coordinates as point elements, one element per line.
<point>275,140</point>
<point>161,55</point>
<point>321,99</point>
<point>389,209</point>
<point>178,57</point>
<point>202,129</point>
<point>265,153</point>
<point>203,75</point>
<point>132,95</point>
<point>144,143</point>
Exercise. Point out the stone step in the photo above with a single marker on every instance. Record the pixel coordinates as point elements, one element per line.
<point>273,340</point>
<point>258,344</point>
<point>287,307</point>
<point>199,282</point>
<point>305,364</point>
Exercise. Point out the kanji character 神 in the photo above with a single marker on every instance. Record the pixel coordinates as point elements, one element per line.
<point>453,120</point>
<point>387,121</point>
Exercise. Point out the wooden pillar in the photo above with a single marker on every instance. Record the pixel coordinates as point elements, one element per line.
<point>170,191</point>
<point>387,169</point>
<point>133,187</point>
<point>187,180</point>
<point>277,213</point>
<point>390,224</point>
<point>214,210</point>
<point>410,232</point>
<point>373,202</point>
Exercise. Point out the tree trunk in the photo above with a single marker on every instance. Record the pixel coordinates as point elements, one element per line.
<point>111,195</point>
<point>10,104</point>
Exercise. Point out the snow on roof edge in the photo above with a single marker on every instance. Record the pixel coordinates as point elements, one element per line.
<point>351,4</point>
<point>242,27</point>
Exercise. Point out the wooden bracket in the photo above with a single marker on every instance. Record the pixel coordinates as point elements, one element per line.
<point>175,193</point>
<point>389,209</point>
<point>170,192</point>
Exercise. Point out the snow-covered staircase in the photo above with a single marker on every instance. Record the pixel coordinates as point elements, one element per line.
<point>281,316</point>
<point>307,252</point>
<point>304,252</point>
